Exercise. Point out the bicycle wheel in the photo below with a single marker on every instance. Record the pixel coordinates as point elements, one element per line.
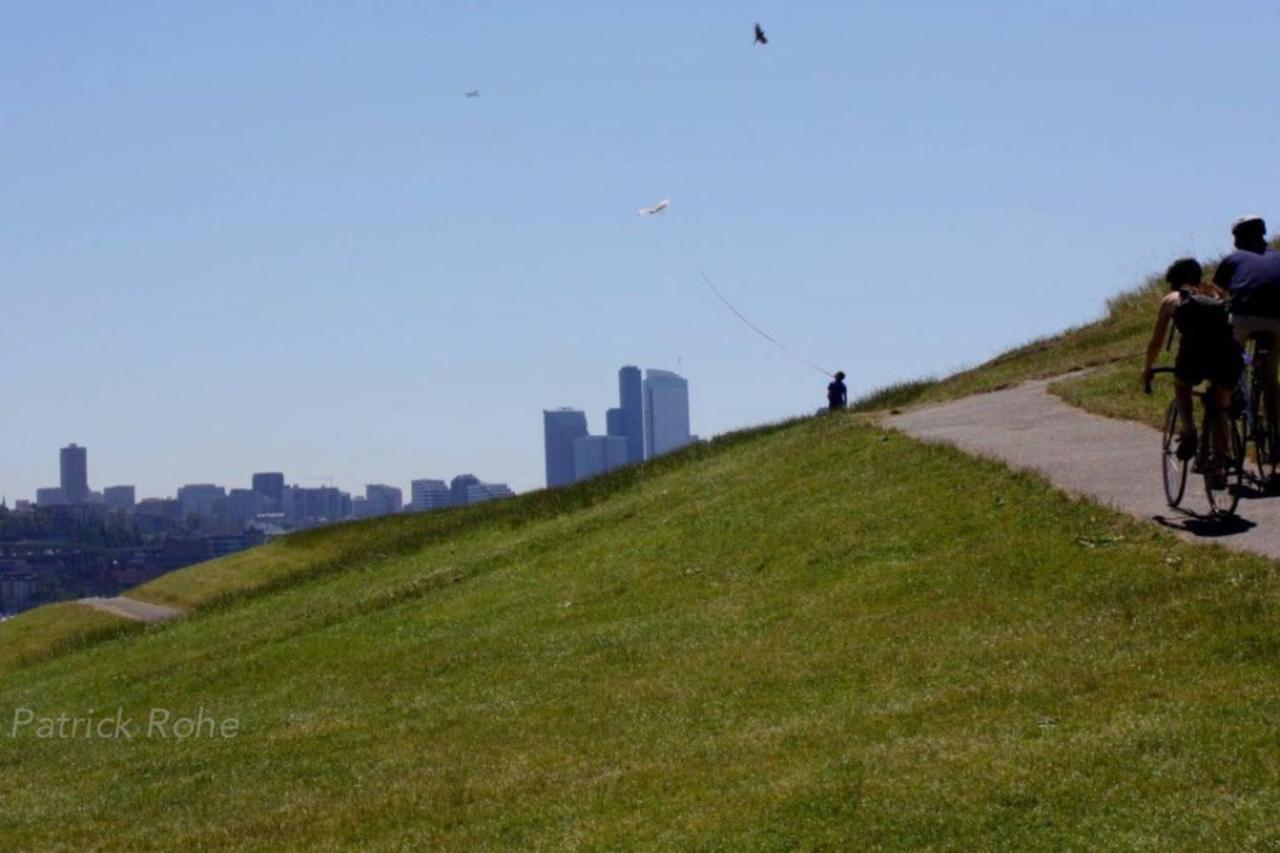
<point>1259,430</point>
<point>1267,449</point>
<point>1223,488</point>
<point>1173,468</point>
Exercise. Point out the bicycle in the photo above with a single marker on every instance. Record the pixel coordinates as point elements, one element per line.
<point>1223,495</point>
<point>1258,428</point>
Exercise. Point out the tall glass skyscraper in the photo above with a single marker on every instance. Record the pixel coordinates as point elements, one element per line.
<point>631,398</point>
<point>75,474</point>
<point>560,427</point>
<point>666,412</point>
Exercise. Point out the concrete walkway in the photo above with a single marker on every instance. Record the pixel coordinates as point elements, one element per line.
<point>1117,463</point>
<point>131,608</point>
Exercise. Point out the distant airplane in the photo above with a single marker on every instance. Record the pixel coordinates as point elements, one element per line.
<point>474,93</point>
<point>657,208</point>
<point>760,36</point>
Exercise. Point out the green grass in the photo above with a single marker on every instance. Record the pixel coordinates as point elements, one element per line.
<point>1116,391</point>
<point>52,629</point>
<point>818,635</point>
<point>1123,330</point>
<point>812,634</point>
<point>893,396</point>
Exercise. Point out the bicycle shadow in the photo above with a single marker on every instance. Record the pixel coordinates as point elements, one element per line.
<point>1254,490</point>
<point>1206,526</point>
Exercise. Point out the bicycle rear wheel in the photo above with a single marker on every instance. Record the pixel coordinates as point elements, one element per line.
<point>1259,431</point>
<point>1223,489</point>
<point>1174,469</point>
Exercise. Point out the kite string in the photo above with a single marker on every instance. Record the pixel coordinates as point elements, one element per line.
<point>761,332</point>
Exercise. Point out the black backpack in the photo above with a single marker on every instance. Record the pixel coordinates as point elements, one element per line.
<point>1200,318</point>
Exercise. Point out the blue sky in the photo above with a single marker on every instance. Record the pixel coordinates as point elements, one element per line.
<point>276,236</point>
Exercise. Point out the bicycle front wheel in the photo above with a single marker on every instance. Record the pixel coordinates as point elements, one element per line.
<point>1173,468</point>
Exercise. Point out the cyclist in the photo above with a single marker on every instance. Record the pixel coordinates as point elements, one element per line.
<point>1251,275</point>
<point>1207,351</point>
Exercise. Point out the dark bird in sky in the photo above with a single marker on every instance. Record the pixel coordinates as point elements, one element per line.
<point>474,93</point>
<point>760,37</point>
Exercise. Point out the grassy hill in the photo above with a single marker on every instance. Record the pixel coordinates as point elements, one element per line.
<point>813,634</point>
<point>1111,348</point>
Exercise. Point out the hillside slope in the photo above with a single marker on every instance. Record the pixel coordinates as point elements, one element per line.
<point>819,634</point>
<point>1111,347</point>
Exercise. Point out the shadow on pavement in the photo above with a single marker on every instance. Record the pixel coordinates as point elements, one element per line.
<point>1256,491</point>
<point>1208,527</point>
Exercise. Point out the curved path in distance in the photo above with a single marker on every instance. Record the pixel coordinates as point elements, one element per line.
<point>132,608</point>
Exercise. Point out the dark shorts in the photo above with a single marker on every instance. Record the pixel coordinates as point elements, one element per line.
<point>1221,366</point>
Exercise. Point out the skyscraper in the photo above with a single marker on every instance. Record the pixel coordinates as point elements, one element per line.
<point>244,504</point>
<point>478,493</point>
<point>312,505</point>
<point>75,474</point>
<point>383,500</point>
<point>51,496</point>
<point>631,399</point>
<point>271,486</point>
<point>204,500</point>
<point>560,427</point>
<point>430,494</point>
<point>593,455</point>
<point>119,497</point>
<point>458,487</point>
<point>615,423</point>
<point>666,412</point>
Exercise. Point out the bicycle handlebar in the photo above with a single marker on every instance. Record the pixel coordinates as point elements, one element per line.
<point>1147,388</point>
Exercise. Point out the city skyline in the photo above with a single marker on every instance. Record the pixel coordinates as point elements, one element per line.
<point>651,419</point>
<point>353,271</point>
<point>267,492</point>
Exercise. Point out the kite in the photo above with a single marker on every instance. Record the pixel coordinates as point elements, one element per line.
<point>760,36</point>
<point>474,93</point>
<point>657,208</point>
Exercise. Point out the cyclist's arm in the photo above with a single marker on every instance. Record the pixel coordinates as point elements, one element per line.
<point>1163,316</point>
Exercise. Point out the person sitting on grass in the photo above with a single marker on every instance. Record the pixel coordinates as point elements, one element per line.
<point>837,393</point>
<point>1207,350</point>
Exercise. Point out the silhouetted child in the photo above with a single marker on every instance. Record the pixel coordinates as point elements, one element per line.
<point>837,394</point>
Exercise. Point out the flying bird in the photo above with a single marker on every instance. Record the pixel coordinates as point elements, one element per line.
<point>657,208</point>
<point>474,93</point>
<point>760,36</point>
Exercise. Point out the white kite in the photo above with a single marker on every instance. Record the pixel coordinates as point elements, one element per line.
<point>657,208</point>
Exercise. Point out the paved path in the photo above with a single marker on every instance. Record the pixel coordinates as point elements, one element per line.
<point>1114,462</point>
<point>131,608</point>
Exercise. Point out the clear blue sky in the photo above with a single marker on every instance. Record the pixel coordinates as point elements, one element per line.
<point>258,236</point>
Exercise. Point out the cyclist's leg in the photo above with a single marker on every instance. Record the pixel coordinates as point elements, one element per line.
<point>1221,424</point>
<point>1186,413</point>
<point>1186,418</point>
